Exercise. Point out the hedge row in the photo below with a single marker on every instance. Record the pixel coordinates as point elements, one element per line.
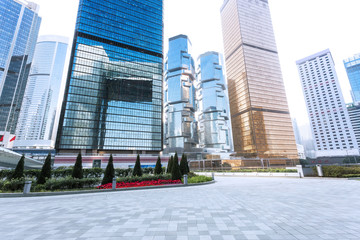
<point>63,172</point>
<point>50,185</point>
<point>199,179</point>
<point>338,171</point>
<point>254,170</point>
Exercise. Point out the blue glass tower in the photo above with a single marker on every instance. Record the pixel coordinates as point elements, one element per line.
<point>19,30</point>
<point>113,95</point>
<point>352,66</point>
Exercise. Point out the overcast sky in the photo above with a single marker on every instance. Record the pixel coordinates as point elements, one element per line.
<point>302,28</point>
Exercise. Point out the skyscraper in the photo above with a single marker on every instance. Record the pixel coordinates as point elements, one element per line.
<point>179,94</point>
<point>354,114</point>
<point>213,102</point>
<point>19,31</point>
<point>113,95</point>
<point>260,116</point>
<point>329,119</point>
<point>39,108</point>
<point>352,66</point>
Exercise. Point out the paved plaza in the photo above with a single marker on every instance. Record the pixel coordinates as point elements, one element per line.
<point>232,208</point>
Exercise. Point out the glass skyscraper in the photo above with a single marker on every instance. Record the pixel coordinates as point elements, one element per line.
<point>260,116</point>
<point>113,95</point>
<point>179,93</point>
<point>352,66</point>
<point>39,108</point>
<point>213,102</point>
<point>19,30</point>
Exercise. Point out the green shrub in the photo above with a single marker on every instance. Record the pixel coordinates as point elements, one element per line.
<point>62,172</point>
<point>92,172</point>
<point>199,179</point>
<point>169,165</point>
<point>137,168</point>
<point>149,170</point>
<point>71,183</point>
<point>45,171</point>
<point>78,170</point>
<point>338,171</point>
<point>19,170</point>
<point>351,175</point>
<point>13,185</point>
<point>158,168</point>
<point>184,168</point>
<point>175,169</point>
<point>120,172</point>
<point>32,173</point>
<point>109,172</point>
<point>6,174</point>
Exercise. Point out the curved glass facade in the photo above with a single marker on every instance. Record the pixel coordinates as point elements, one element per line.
<point>260,116</point>
<point>20,25</point>
<point>179,94</point>
<point>214,120</point>
<point>113,98</point>
<point>37,117</point>
<point>352,66</point>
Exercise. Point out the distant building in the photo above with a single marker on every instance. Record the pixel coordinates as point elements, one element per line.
<point>213,111</point>
<point>354,114</point>
<point>329,118</point>
<point>352,66</point>
<point>113,95</point>
<point>261,122</point>
<point>179,97</point>
<point>296,132</point>
<point>36,127</point>
<point>18,37</point>
<point>301,151</point>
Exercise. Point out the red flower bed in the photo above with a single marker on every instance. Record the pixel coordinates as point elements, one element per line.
<point>139,184</point>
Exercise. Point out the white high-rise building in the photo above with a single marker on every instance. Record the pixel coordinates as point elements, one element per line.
<point>329,119</point>
<point>36,126</point>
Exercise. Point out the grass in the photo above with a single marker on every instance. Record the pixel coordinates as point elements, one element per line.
<point>199,179</point>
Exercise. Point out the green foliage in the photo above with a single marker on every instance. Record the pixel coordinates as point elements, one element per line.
<point>6,174</point>
<point>158,168</point>
<point>12,185</point>
<point>184,168</point>
<point>338,171</point>
<point>68,183</point>
<point>169,166</point>
<point>144,178</point>
<point>199,179</point>
<point>187,165</point>
<point>137,168</point>
<point>147,170</point>
<point>175,169</point>
<point>92,172</point>
<point>109,172</point>
<point>78,170</point>
<point>120,172</point>
<point>45,171</point>
<point>19,170</point>
<point>351,176</point>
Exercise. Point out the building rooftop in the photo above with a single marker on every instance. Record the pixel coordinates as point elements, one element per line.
<point>314,56</point>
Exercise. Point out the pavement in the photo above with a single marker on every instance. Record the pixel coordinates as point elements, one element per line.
<point>232,208</point>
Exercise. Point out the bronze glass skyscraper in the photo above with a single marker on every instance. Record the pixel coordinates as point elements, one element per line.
<point>260,116</point>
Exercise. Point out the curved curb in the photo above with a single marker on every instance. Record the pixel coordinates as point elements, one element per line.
<point>45,194</point>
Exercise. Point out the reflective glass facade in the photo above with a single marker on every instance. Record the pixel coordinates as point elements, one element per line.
<point>260,116</point>
<point>179,96</point>
<point>18,34</point>
<point>113,96</point>
<point>213,110</point>
<point>352,66</point>
<point>39,108</point>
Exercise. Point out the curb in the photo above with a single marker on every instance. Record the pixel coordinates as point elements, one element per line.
<point>45,194</point>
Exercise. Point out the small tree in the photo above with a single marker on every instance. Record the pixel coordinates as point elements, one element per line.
<point>78,171</point>
<point>183,168</point>
<point>19,170</point>
<point>109,171</point>
<point>175,169</point>
<point>187,165</point>
<point>158,168</point>
<point>169,166</point>
<point>137,168</point>
<point>45,171</point>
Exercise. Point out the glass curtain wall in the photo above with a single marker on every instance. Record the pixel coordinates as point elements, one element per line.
<point>212,97</point>
<point>20,25</point>
<point>259,111</point>
<point>113,98</point>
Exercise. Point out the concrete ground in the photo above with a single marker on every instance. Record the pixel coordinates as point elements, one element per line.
<point>232,208</point>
